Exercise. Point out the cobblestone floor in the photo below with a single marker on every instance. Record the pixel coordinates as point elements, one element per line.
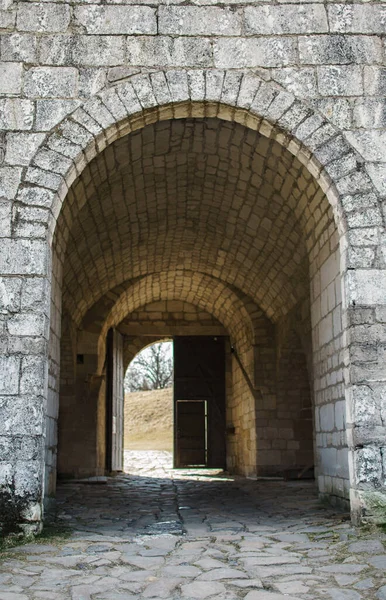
<point>155,533</point>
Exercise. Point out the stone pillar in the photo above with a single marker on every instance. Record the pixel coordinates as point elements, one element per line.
<point>24,317</point>
<point>366,406</point>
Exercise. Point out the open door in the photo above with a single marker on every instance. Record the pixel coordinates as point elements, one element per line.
<point>114,402</point>
<point>199,401</point>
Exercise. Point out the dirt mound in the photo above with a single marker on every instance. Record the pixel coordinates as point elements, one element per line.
<point>149,420</point>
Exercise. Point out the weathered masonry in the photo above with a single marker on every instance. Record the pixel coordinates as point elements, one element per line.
<point>194,169</point>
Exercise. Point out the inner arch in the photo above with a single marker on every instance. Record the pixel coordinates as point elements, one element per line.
<point>203,195</point>
<point>209,212</point>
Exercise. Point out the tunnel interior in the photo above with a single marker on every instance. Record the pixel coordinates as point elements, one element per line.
<point>201,227</point>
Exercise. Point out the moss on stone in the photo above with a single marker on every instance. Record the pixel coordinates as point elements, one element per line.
<point>375,503</point>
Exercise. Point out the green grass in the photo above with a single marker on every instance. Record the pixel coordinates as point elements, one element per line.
<point>52,533</point>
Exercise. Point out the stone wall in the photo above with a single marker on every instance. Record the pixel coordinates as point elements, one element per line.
<point>168,318</point>
<point>327,332</point>
<point>76,78</point>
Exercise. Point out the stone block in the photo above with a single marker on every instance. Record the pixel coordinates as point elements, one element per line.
<point>336,148</point>
<point>369,371</point>
<point>326,331</point>
<point>6,4</point>
<point>10,295</point>
<point>342,165</point>
<point>356,18</point>
<point>54,161</point>
<point>61,143</point>
<point>11,78</point>
<point>44,178</point>
<point>340,414</point>
<point>43,82</point>
<point>9,376</point>
<point>107,20</point>
<point>366,436</point>
<point>16,114</point>
<point>300,82</point>
<point>374,80</point>
<point>368,465</point>
<point>169,51</point>
<point>29,229</point>
<point>114,105</point>
<point>342,469</point>
<point>27,345</point>
<point>27,324</point>
<point>85,51</point>
<point>360,257</point>
<point>50,112</point>
<point>364,237</point>
<point>35,196</point>
<point>32,513</point>
<point>120,73</point>
<point>34,372</point>
<point>337,110</point>
<point>285,19</point>
<point>195,20</point>
<point>6,474</point>
<point>6,449</point>
<point>9,181</point>
<point>23,257</point>
<point>254,52</point>
<point>339,49</point>
<point>340,80</point>
<point>366,286</point>
<point>369,218</point>
<point>214,81</point>
<point>22,416</point>
<point>378,176</point>
<point>329,270</point>
<point>99,113</point>
<point>327,461</point>
<point>203,589</point>
<point>92,80</point>
<point>327,417</point>
<point>308,126</point>
<point>18,46</point>
<point>27,479</point>
<point>160,88</point>
<point>43,17</point>
<point>376,333</point>
<point>370,144</point>
<point>7,19</point>
<point>21,147</point>
<point>354,183</point>
<point>369,113</point>
<point>380,314</point>
<point>5,218</point>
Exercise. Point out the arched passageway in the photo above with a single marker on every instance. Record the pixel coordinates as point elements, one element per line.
<point>222,191</point>
<point>204,227</point>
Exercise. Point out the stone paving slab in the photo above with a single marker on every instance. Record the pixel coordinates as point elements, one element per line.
<point>156,533</point>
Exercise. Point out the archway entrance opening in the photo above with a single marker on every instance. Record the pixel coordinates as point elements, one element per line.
<point>215,216</point>
<point>148,400</point>
<point>175,400</point>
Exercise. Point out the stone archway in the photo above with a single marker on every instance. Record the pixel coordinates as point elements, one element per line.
<point>205,292</point>
<point>226,96</point>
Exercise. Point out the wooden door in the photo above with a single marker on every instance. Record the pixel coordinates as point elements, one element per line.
<point>114,402</point>
<point>191,433</point>
<point>199,375</point>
